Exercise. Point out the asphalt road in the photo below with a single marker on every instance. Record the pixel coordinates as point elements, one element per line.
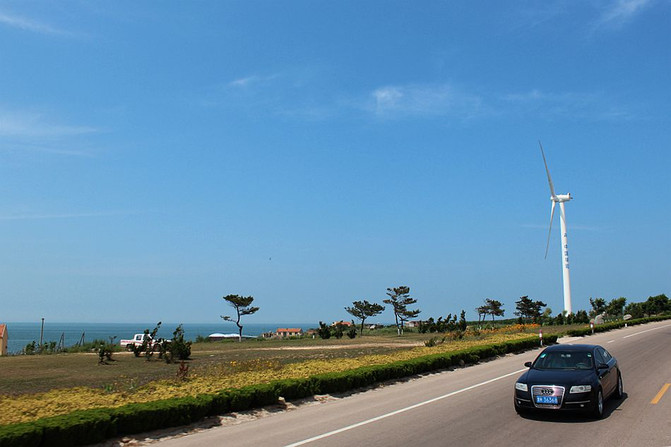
<point>474,406</point>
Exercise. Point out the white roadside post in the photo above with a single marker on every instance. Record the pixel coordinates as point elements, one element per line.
<point>540,335</point>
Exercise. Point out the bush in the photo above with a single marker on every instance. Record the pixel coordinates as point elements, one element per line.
<point>177,348</point>
<point>92,346</point>
<point>324,331</point>
<point>433,341</point>
<point>104,353</point>
<point>202,339</point>
<point>30,348</point>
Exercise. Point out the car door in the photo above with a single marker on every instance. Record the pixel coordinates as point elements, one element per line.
<point>608,375</point>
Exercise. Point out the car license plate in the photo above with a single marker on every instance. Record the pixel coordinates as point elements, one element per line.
<point>547,400</point>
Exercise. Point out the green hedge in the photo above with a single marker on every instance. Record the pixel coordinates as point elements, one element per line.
<point>91,426</point>
<point>615,325</point>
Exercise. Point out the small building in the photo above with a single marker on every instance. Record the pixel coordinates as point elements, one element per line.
<point>342,323</point>
<point>218,336</point>
<point>289,332</point>
<point>3,339</point>
<point>598,319</point>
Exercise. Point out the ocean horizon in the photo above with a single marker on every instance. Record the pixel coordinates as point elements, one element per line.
<point>23,333</point>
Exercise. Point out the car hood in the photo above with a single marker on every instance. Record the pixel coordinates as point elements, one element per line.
<point>557,377</point>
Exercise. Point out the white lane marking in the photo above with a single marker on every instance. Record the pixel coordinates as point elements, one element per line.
<point>402,410</point>
<point>611,341</point>
<point>648,330</point>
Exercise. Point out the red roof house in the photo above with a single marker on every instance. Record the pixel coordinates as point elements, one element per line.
<point>3,339</point>
<point>289,332</point>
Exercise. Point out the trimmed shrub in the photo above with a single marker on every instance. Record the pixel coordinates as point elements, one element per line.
<point>220,404</point>
<point>24,434</point>
<point>137,418</point>
<point>293,388</point>
<point>77,428</point>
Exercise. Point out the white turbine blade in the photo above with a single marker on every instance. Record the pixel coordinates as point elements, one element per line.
<point>552,188</point>
<point>552,215</point>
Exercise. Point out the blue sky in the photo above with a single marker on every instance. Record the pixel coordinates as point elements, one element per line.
<point>156,156</point>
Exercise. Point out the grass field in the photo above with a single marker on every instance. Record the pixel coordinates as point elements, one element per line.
<point>39,373</point>
<point>43,385</point>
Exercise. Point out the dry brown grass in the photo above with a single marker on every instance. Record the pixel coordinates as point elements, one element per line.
<point>39,373</point>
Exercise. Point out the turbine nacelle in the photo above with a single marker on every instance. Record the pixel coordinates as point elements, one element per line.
<point>561,198</point>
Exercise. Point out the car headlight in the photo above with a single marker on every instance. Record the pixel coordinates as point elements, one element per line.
<point>580,389</point>
<point>521,386</point>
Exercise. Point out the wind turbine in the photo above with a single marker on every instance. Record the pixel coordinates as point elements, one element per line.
<point>559,199</point>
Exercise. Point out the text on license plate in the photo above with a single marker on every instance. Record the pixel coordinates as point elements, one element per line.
<point>548,400</point>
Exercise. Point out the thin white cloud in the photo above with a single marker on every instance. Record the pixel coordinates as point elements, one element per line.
<point>55,149</point>
<point>30,25</point>
<point>250,80</point>
<point>591,105</point>
<point>387,98</point>
<point>22,131</point>
<point>28,216</point>
<point>622,11</point>
<point>538,14</point>
<point>526,97</point>
<point>242,82</point>
<point>21,124</point>
<point>284,93</point>
<point>275,94</point>
<point>424,100</point>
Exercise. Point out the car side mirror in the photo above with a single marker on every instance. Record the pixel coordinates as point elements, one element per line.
<point>528,364</point>
<point>602,366</point>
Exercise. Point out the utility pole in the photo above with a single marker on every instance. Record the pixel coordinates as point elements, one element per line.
<point>41,333</point>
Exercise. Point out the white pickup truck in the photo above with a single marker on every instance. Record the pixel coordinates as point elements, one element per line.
<point>137,340</point>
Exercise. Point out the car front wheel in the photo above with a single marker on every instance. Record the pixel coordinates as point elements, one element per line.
<point>619,392</point>
<point>597,412</point>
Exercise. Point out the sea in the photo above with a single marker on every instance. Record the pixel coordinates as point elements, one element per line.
<point>69,334</point>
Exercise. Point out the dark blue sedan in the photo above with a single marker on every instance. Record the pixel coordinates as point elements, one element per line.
<point>569,377</point>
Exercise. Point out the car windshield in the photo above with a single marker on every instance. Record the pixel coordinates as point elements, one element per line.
<point>564,360</point>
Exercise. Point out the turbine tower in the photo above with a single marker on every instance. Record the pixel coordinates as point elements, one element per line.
<point>559,199</point>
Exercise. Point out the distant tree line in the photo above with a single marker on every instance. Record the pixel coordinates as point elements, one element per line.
<point>337,330</point>
<point>530,311</point>
<point>448,324</point>
<point>527,311</point>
